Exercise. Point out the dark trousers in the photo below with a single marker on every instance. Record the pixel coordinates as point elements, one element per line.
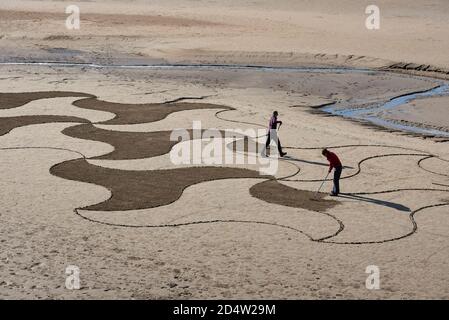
<point>337,175</point>
<point>278,142</point>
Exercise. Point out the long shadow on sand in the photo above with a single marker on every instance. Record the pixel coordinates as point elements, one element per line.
<point>384,203</point>
<point>313,162</point>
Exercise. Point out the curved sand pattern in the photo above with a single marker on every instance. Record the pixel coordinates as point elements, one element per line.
<point>55,107</point>
<point>120,181</point>
<point>181,119</point>
<point>128,113</point>
<point>40,234</point>
<point>9,123</point>
<point>142,189</point>
<point>360,217</point>
<point>165,161</point>
<point>49,135</point>
<point>130,145</point>
<point>184,210</point>
<point>9,100</point>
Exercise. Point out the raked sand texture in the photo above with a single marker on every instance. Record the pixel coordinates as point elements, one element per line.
<point>88,178</point>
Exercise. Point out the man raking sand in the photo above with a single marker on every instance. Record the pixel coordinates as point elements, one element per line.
<point>334,163</point>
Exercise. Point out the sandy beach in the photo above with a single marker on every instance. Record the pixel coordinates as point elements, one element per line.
<point>86,119</point>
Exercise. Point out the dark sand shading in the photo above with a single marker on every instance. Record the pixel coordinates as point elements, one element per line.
<point>14,100</point>
<point>143,189</point>
<point>9,123</point>
<point>128,113</point>
<point>274,192</point>
<point>129,145</point>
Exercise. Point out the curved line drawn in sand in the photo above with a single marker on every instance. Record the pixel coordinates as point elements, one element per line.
<point>322,240</point>
<point>325,239</point>
<point>235,121</point>
<point>131,145</point>
<point>9,123</point>
<point>430,171</point>
<point>124,197</point>
<point>359,166</point>
<point>279,198</point>
<point>274,192</point>
<point>273,197</point>
<point>43,148</point>
<point>11,100</point>
<point>413,231</point>
<point>128,113</point>
<point>234,145</point>
<point>441,184</point>
<point>132,190</point>
<point>412,214</point>
<point>200,222</point>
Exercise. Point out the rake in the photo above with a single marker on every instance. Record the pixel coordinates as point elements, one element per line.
<point>322,183</point>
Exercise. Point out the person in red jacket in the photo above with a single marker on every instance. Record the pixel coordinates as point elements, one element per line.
<point>334,163</point>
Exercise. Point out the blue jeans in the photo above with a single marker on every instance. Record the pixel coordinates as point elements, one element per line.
<point>272,135</point>
<point>337,175</point>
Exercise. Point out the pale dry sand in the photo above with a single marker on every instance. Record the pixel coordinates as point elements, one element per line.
<point>273,251</point>
<point>255,32</point>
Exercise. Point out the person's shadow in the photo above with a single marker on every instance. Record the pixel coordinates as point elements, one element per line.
<point>313,162</point>
<point>389,204</point>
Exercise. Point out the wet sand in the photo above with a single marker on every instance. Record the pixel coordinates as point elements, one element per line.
<point>427,113</point>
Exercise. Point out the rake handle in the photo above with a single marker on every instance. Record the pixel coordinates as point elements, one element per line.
<point>322,183</point>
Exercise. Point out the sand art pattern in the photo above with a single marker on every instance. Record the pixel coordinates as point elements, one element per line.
<point>145,189</point>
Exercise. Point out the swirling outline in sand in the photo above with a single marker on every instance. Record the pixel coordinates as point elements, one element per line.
<point>127,187</point>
